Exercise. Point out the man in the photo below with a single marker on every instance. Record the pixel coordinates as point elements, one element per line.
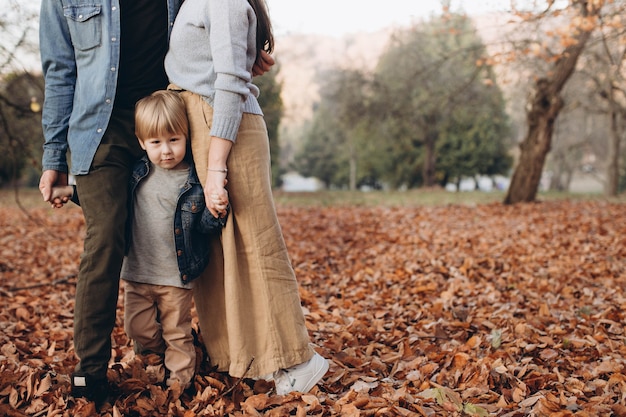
<point>98,60</point>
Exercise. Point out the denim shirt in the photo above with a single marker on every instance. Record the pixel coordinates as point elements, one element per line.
<point>193,222</point>
<point>79,44</point>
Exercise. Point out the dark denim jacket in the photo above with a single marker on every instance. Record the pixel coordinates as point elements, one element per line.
<point>193,222</point>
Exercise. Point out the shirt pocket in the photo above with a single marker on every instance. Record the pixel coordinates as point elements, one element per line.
<point>85,24</point>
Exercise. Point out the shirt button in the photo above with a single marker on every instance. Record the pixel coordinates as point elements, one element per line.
<point>80,16</point>
<point>113,39</point>
<point>107,101</point>
<point>99,130</point>
<point>179,253</point>
<point>113,8</point>
<point>177,231</point>
<point>112,69</point>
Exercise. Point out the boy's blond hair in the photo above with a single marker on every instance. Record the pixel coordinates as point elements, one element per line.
<point>159,114</point>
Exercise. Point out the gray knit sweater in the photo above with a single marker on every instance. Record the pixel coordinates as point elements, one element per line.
<point>212,51</point>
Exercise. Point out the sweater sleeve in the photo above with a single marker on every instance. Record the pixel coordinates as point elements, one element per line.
<point>230,24</point>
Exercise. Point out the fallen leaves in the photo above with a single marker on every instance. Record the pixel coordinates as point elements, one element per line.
<point>422,311</point>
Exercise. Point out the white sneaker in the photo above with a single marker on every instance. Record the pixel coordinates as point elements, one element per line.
<point>301,378</point>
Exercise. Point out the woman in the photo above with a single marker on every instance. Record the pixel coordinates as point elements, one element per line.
<point>247,299</point>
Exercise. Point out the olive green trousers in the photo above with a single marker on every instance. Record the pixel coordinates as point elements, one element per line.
<point>103,195</point>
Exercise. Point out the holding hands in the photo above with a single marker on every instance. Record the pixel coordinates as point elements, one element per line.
<point>54,189</point>
<point>215,194</point>
<point>61,195</point>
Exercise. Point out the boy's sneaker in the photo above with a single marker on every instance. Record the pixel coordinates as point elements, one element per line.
<point>93,389</point>
<point>301,378</point>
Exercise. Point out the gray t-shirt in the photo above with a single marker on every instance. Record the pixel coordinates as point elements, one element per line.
<point>152,255</point>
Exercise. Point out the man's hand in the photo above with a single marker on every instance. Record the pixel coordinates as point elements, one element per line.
<point>50,178</point>
<point>263,64</point>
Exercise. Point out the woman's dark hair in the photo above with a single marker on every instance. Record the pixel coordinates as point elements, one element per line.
<point>264,36</point>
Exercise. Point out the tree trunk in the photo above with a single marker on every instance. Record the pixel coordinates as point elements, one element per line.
<point>428,170</point>
<point>535,147</point>
<point>612,184</point>
<point>543,109</point>
<point>352,173</point>
<point>569,174</point>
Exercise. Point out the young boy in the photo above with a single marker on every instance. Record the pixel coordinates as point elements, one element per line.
<point>167,245</point>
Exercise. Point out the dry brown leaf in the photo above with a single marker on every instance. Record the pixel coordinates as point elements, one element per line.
<point>401,300</point>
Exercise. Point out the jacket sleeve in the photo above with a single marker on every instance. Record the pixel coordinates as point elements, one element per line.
<point>210,225</point>
<point>59,71</point>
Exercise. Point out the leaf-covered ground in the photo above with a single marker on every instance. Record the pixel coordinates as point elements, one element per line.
<point>422,311</point>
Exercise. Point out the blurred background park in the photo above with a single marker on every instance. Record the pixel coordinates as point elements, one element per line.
<point>525,98</point>
<point>449,108</point>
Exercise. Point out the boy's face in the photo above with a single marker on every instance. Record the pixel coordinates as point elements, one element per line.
<point>165,151</point>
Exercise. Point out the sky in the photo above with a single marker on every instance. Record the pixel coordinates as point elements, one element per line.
<point>339,17</point>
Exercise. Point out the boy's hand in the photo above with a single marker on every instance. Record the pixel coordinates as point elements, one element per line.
<point>61,195</point>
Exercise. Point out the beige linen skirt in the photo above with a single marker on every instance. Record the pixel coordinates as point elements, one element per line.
<point>247,299</point>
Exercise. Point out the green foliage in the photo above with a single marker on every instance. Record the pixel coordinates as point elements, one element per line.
<point>318,156</point>
<point>473,140</point>
<point>337,138</point>
<point>404,155</point>
<point>21,136</point>
<point>272,105</point>
<point>447,105</point>
<point>428,114</point>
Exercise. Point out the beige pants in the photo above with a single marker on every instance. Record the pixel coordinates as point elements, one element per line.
<point>247,300</point>
<point>158,317</point>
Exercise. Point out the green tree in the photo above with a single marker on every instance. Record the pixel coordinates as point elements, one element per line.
<point>21,136</point>
<point>474,139</point>
<point>336,140</point>
<point>435,105</point>
<point>20,126</point>
<point>346,96</point>
<point>272,104</point>
<point>318,156</point>
<point>428,103</point>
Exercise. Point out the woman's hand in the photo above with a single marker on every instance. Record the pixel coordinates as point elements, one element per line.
<point>215,193</point>
<point>263,64</point>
